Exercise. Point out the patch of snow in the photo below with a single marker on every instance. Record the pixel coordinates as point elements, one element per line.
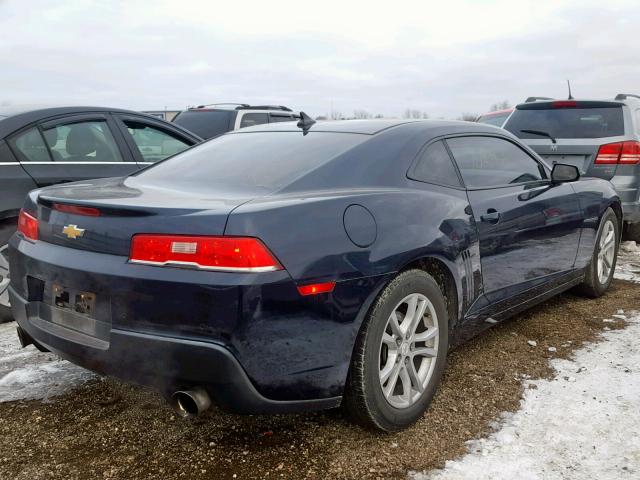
<point>532,343</point>
<point>27,373</point>
<point>569,427</point>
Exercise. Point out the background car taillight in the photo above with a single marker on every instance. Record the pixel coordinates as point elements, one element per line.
<point>625,153</point>
<point>28,225</point>
<point>234,254</point>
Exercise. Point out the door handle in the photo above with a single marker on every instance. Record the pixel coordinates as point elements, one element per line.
<point>492,216</point>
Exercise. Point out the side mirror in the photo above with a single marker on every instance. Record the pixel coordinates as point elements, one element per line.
<point>562,172</point>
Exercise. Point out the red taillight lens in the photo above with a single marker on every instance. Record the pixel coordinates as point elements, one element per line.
<point>630,153</point>
<point>609,153</point>
<point>235,254</point>
<point>620,152</point>
<point>316,288</point>
<point>28,225</point>
<point>76,210</point>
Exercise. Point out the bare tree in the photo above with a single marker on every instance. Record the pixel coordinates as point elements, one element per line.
<point>503,105</point>
<point>360,114</point>
<point>468,117</point>
<point>335,115</point>
<point>413,113</point>
<point>379,115</point>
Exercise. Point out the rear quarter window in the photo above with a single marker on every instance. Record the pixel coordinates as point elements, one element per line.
<point>434,165</point>
<point>568,122</point>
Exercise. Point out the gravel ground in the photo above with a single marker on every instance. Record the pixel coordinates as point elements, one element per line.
<point>106,429</point>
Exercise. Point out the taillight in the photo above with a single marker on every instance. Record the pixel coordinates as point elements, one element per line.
<point>630,153</point>
<point>76,210</point>
<point>564,104</point>
<point>233,254</point>
<point>620,152</point>
<point>28,225</point>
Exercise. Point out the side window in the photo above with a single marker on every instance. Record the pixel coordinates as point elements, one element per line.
<point>492,162</point>
<point>435,166</point>
<point>154,144</point>
<point>29,146</point>
<point>82,142</point>
<point>251,119</point>
<point>281,118</point>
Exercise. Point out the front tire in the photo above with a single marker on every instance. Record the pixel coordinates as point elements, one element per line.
<point>599,273</point>
<point>400,354</point>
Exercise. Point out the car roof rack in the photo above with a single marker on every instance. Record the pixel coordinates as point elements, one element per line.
<point>535,99</point>
<point>624,96</point>
<point>216,104</point>
<point>282,108</point>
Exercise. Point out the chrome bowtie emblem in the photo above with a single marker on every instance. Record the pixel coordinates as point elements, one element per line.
<point>72,231</point>
<point>554,148</point>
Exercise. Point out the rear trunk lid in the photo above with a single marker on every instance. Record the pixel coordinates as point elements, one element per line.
<point>579,128</point>
<point>120,208</point>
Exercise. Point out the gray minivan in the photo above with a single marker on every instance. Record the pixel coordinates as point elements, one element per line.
<point>601,138</point>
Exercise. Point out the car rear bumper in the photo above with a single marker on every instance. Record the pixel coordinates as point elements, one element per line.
<point>164,362</point>
<point>250,339</point>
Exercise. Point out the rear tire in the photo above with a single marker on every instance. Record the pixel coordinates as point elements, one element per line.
<point>7,228</point>
<point>400,354</point>
<point>599,273</point>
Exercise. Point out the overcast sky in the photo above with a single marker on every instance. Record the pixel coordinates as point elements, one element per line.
<point>384,57</point>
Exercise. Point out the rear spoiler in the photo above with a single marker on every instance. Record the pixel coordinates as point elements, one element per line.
<point>568,104</point>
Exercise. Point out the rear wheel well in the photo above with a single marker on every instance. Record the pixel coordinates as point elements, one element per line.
<point>445,280</point>
<point>617,209</point>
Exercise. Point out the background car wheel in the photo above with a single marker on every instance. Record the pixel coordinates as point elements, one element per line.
<point>400,354</point>
<point>7,228</point>
<point>631,232</point>
<point>599,273</point>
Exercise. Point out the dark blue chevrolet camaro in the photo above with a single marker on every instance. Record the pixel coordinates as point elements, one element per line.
<point>279,269</point>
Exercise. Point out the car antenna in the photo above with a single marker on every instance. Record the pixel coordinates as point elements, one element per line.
<point>305,122</point>
<point>569,87</point>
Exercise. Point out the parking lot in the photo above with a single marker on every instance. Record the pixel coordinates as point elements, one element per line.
<point>101,428</point>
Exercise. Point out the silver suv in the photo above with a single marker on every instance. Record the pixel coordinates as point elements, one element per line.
<point>601,138</point>
<point>210,121</point>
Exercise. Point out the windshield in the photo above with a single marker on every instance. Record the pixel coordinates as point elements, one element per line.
<point>250,161</point>
<point>206,123</point>
<point>568,122</point>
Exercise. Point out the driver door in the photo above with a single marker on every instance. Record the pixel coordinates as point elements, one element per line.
<point>529,228</point>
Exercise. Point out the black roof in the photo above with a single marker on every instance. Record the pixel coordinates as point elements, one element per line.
<point>373,127</point>
<point>18,117</point>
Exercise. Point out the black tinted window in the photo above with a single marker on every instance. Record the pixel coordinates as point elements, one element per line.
<point>251,119</point>
<point>261,160</point>
<point>568,122</point>
<point>489,161</point>
<point>206,123</point>
<point>435,166</point>
<point>281,118</point>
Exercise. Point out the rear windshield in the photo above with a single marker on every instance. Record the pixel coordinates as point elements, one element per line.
<point>496,119</point>
<point>253,161</point>
<point>206,123</point>
<point>568,122</point>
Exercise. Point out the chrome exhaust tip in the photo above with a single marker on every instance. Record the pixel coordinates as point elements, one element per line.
<point>189,403</point>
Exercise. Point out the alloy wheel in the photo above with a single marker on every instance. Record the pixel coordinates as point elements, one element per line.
<point>4,276</point>
<point>408,351</point>
<point>606,251</point>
